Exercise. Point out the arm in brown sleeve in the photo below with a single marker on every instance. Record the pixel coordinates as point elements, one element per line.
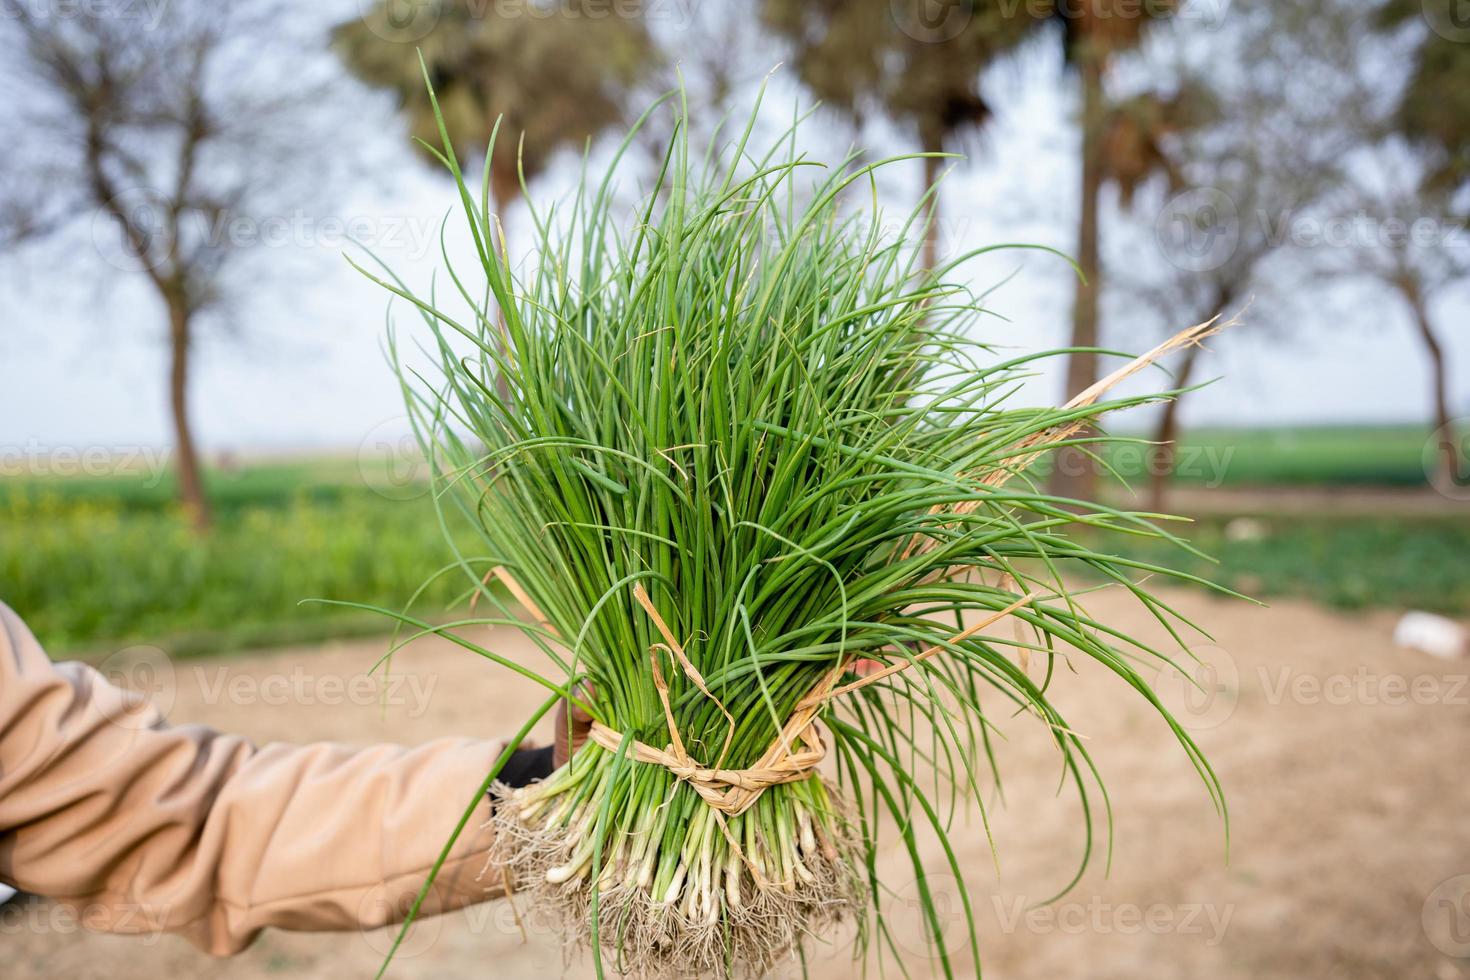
<point>142,827</point>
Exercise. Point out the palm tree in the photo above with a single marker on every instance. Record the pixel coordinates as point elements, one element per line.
<point>1093,34</point>
<point>555,79</point>
<point>867,56</point>
<point>1247,129</point>
<point>872,55</point>
<point>1136,133</point>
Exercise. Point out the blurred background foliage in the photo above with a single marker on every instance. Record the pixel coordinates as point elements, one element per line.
<point>101,563</point>
<point>1331,110</point>
<point>1333,514</point>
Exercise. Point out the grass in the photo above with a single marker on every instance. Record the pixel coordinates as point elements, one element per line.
<point>96,564</point>
<point>267,484</point>
<point>1389,455</point>
<point>1347,563</point>
<point>101,562</point>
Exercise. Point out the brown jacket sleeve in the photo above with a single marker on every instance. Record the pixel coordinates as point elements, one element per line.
<point>143,828</point>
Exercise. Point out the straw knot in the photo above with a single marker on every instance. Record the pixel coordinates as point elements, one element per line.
<point>797,748</point>
<point>730,791</point>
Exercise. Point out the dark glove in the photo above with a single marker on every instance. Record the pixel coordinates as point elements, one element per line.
<point>527,766</point>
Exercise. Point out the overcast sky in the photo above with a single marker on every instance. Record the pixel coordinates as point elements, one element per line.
<point>84,363</point>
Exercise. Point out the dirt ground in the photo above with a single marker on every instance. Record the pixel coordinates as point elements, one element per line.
<point>1344,762</point>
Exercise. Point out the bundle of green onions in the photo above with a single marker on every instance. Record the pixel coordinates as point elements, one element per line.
<point>737,469</point>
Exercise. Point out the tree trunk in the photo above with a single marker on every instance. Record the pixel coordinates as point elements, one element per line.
<point>186,457</point>
<point>1449,460</point>
<point>1161,459</point>
<point>1076,474</point>
<point>930,254</point>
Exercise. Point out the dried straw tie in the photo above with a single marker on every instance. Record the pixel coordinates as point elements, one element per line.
<point>1027,450</point>
<point>796,750</point>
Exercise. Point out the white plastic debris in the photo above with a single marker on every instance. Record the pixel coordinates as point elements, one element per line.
<point>1434,635</point>
<point>6,894</point>
<point>1246,529</point>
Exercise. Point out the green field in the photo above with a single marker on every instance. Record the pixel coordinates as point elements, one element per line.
<point>95,564</point>
<point>99,563</point>
<point>1297,456</point>
<point>1349,563</point>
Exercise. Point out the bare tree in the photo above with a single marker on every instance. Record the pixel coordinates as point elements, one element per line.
<point>1431,125</point>
<point>1402,234</point>
<point>1327,172</point>
<point>1396,223</point>
<point>1253,151</point>
<point>180,126</point>
<point>1094,36</point>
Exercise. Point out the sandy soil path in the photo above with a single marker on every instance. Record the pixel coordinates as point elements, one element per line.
<point>1344,761</point>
